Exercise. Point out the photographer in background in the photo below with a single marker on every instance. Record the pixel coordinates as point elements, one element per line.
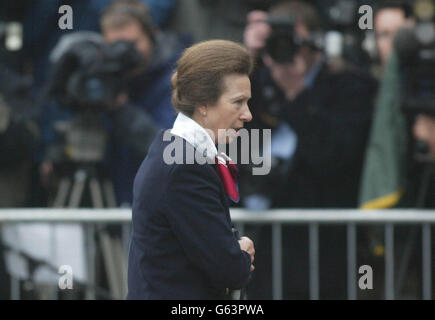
<point>325,107</point>
<point>89,97</point>
<point>299,87</point>
<point>150,89</point>
<point>41,31</point>
<point>399,162</point>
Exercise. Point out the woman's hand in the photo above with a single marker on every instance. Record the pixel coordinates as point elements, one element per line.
<point>247,245</point>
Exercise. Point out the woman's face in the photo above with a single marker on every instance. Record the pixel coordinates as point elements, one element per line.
<point>231,110</point>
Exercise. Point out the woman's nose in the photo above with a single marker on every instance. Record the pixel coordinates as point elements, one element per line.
<point>246,115</point>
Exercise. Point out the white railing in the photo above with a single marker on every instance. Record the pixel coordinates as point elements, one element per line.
<point>276,218</point>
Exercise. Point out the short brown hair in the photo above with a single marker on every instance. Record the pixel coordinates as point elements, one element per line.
<point>120,13</point>
<point>198,79</point>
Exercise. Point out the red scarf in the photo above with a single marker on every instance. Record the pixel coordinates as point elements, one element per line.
<point>229,173</point>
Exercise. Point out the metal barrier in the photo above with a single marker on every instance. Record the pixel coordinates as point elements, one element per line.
<point>277,218</point>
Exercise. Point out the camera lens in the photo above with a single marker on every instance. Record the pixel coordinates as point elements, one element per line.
<point>281,48</point>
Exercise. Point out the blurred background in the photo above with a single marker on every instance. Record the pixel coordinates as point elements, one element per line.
<point>347,87</point>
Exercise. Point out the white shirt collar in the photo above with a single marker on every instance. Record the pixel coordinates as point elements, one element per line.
<point>188,129</point>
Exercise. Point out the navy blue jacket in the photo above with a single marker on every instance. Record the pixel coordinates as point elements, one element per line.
<point>182,245</point>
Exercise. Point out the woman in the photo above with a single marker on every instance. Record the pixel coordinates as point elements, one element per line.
<point>182,244</point>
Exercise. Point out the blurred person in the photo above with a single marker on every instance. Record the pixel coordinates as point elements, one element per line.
<point>130,20</point>
<point>19,138</point>
<point>320,113</point>
<point>41,31</point>
<point>389,17</point>
<point>128,128</point>
<point>394,178</point>
<point>398,169</point>
<point>182,244</point>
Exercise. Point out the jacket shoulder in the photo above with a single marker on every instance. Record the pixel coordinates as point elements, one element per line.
<point>178,158</point>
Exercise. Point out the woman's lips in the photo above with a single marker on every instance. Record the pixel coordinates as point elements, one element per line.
<point>236,131</point>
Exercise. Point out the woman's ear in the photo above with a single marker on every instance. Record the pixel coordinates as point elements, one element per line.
<point>202,110</point>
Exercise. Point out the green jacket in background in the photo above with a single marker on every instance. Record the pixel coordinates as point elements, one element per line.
<point>384,171</point>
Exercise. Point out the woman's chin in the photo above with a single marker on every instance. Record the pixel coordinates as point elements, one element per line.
<point>229,137</point>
